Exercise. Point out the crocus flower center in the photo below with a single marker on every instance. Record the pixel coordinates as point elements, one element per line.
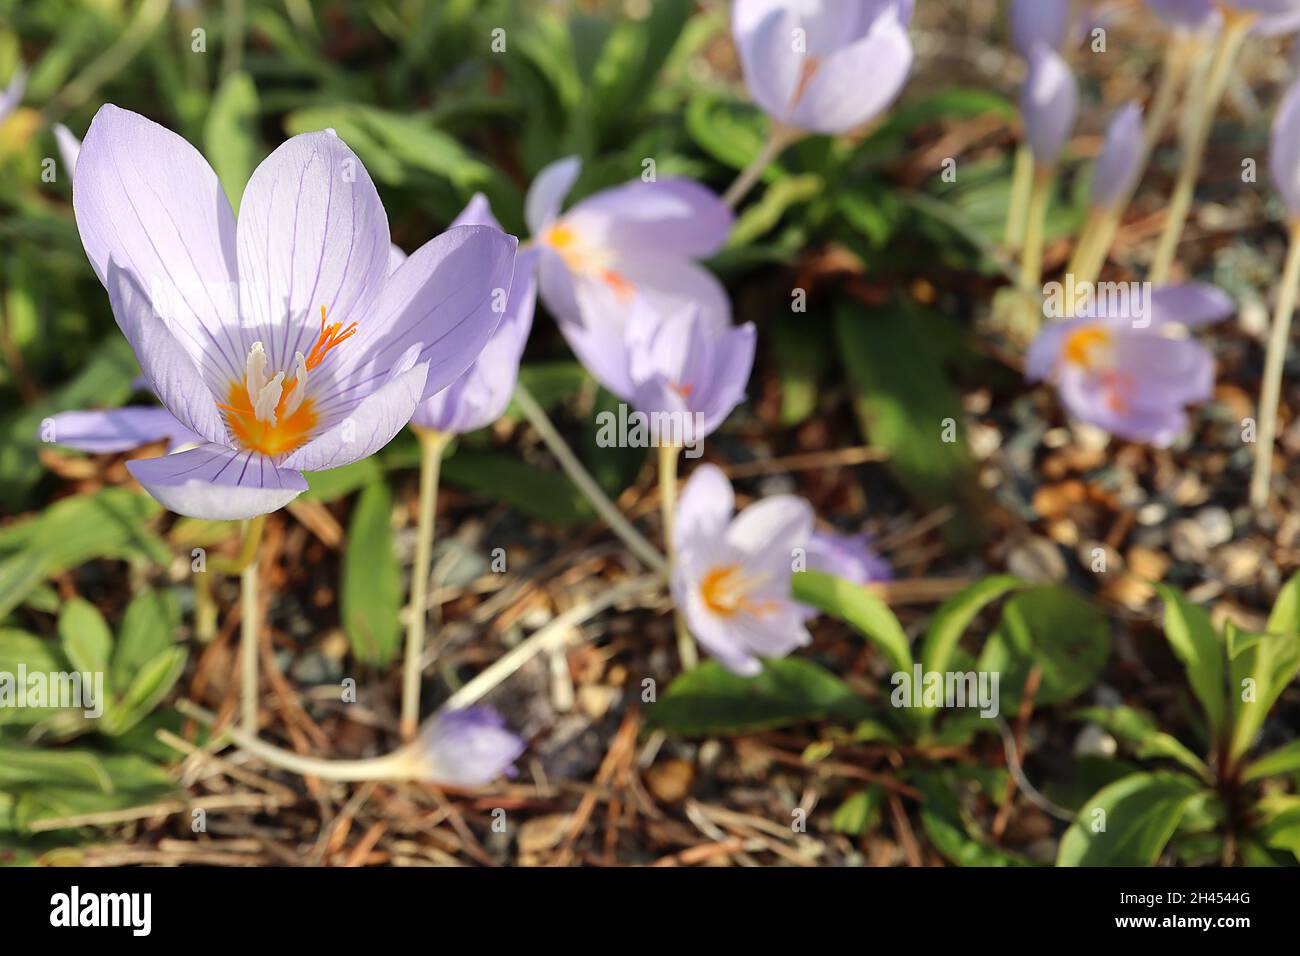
<point>1089,348</point>
<point>726,590</point>
<point>582,256</point>
<point>272,414</point>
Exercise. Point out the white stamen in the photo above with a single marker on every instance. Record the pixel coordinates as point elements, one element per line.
<point>267,399</point>
<point>255,370</point>
<point>299,390</point>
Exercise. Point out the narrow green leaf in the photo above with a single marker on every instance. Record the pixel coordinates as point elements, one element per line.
<point>1140,729</point>
<point>150,685</point>
<point>1192,636</point>
<point>371,597</point>
<point>853,604</point>
<point>955,615</point>
<point>1128,822</point>
<point>85,637</point>
<point>230,134</point>
<point>148,629</point>
<point>860,812</point>
<point>1281,761</point>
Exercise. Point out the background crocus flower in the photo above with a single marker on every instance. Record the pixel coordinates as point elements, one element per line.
<point>117,429</point>
<point>1120,162</point>
<point>1128,374</point>
<point>281,340</point>
<point>731,576</point>
<point>1284,151</point>
<point>13,93</point>
<point>69,147</point>
<point>468,748</point>
<point>481,394</point>
<point>1049,102</point>
<point>679,364</point>
<point>1039,21</point>
<point>847,556</point>
<point>823,67</point>
<point>1189,15</point>
<point>641,238</point>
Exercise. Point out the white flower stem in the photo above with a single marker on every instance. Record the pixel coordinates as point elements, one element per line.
<point>579,475</point>
<point>249,621</point>
<point>778,138</point>
<point>1271,389</point>
<point>1022,183</point>
<point>668,455</point>
<point>432,445</point>
<point>1201,110</point>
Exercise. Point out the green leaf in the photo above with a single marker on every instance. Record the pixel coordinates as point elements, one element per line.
<point>148,629</point>
<point>1140,813</point>
<point>860,812</point>
<point>550,384</point>
<point>712,700</point>
<point>955,615</point>
<point>230,134</point>
<point>371,597</point>
<point>1260,669</point>
<point>1279,826</point>
<point>1281,761</point>
<point>1067,637</point>
<point>730,131</point>
<point>85,637</point>
<point>1194,640</point>
<point>855,605</point>
<point>522,486</point>
<point>951,829</point>
<point>1139,729</point>
<point>25,766</point>
<point>777,199</point>
<point>151,684</point>
<point>335,483</point>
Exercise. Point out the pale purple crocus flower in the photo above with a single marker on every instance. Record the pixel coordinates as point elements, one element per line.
<point>1284,151</point>
<point>1120,161</point>
<point>12,95</point>
<point>638,239</point>
<point>823,67</point>
<point>111,430</point>
<point>847,556</point>
<point>1049,102</point>
<point>1039,21</point>
<point>1185,15</point>
<point>69,147</point>
<point>680,365</point>
<point>481,394</point>
<point>468,748</point>
<point>280,340</point>
<point>1133,374</point>
<point>731,575</point>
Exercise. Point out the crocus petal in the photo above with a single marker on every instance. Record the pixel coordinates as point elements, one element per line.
<point>12,96</point>
<point>367,427</point>
<point>769,58</point>
<point>1190,303</point>
<point>1039,21</point>
<point>857,83</point>
<point>1044,352</point>
<point>768,532</point>
<point>638,218</point>
<point>1284,151</point>
<point>117,429</point>
<point>671,285</point>
<point>395,257</point>
<point>1183,14</point>
<point>704,508</point>
<point>1120,161</point>
<point>218,483</point>
<point>447,298</point>
<point>846,556</point>
<point>469,748</point>
<point>145,199</point>
<point>546,195</point>
<point>1277,24</point>
<point>69,147</point>
<point>1048,104</point>
<point>712,633</point>
<point>477,212</point>
<point>598,336</point>
<point>169,372</point>
<point>312,233</point>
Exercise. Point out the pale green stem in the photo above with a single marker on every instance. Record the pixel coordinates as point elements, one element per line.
<point>1202,108</point>
<point>778,138</point>
<point>1271,388</point>
<point>668,454</point>
<point>205,609</point>
<point>248,622</point>
<point>1022,184</point>
<point>579,475</point>
<point>432,445</point>
<point>1031,260</point>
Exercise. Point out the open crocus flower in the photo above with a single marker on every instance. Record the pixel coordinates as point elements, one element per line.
<point>468,748</point>
<point>847,556</point>
<point>1120,161</point>
<point>731,576</point>
<point>280,340</point>
<point>1133,374</point>
<point>1049,101</point>
<point>825,66</point>
<point>117,429</point>
<point>641,238</point>
<point>481,394</point>
<point>1039,21</point>
<point>680,365</point>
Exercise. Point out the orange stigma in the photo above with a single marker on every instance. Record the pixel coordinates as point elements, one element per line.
<point>725,591</point>
<point>1081,347</point>
<point>282,434</point>
<point>330,336</point>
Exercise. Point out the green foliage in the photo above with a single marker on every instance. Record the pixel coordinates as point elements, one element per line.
<point>371,592</point>
<point>1128,822</point>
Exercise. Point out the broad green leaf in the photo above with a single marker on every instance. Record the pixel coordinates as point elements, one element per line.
<point>530,490</point>
<point>951,830</point>
<point>855,605</point>
<point>1193,638</point>
<point>1281,761</point>
<point>730,131</point>
<point>1139,814</point>
<point>1261,668</point>
<point>1279,824</point>
<point>20,649</point>
<point>148,629</point>
<point>150,685</point>
<point>1140,729</point>
<point>86,639</point>
<point>26,766</point>
<point>860,812</point>
<point>1051,627</point>
<point>336,483</point>
<point>371,597</point>
<point>230,134</point>
<point>134,782</point>
<point>955,615</point>
<point>712,700</point>
<point>801,351</point>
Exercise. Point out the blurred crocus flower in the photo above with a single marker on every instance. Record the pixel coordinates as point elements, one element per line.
<point>117,429</point>
<point>1120,161</point>
<point>1039,21</point>
<point>847,556</point>
<point>731,575</point>
<point>1284,151</point>
<point>12,95</point>
<point>1049,101</point>
<point>1133,374</point>
<point>641,238</point>
<point>468,748</point>
<point>281,340</point>
<point>481,394</point>
<point>1186,15</point>
<point>680,365</point>
<point>824,67</point>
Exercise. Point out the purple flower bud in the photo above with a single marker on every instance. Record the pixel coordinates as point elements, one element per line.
<point>847,556</point>
<point>1049,101</point>
<point>1284,151</point>
<point>468,748</point>
<point>1039,21</point>
<point>1120,161</point>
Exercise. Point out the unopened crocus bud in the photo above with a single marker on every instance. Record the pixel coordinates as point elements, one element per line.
<point>1120,161</point>
<point>1039,21</point>
<point>468,748</point>
<point>1049,102</point>
<point>1284,151</point>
